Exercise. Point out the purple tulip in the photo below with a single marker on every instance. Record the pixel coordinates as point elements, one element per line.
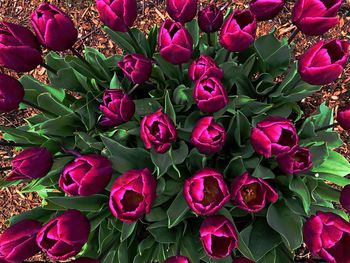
<point>118,15</point>
<point>208,136</point>
<point>17,243</point>
<point>345,198</point>
<point>136,67</point>
<point>19,49</point>
<point>65,235</point>
<point>343,118</point>
<point>218,236</point>
<point>54,29</point>
<point>315,17</point>
<point>328,235</point>
<point>175,42</point>
<point>324,62</point>
<point>31,163</point>
<point>177,259</point>
<point>273,136</point>
<point>85,260</point>
<point>210,18</point>
<point>266,9</point>
<point>242,260</point>
<point>181,10</point>
<point>11,93</point>
<point>86,175</point>
<point>117,107</point>
<point>204,66</point>
<point>132,195</point>
<point>251,194</point>
<point>296,161</point>
<point>158,130</point>
<point>238,31</point>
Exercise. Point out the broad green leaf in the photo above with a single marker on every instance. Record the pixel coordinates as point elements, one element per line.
<point>177,210</point>
<point>335,164</point>
<point>127,230</point>
<point>297,185</point>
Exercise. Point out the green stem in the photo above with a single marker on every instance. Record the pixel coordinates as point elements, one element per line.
<point>133,89</point>
<point>209,39</point>
<point>133,39</point>
<point>38,108</point>
<point>326,127</point>
<point>49,68</point>
<point>181,72</point>
<point>293,35</point>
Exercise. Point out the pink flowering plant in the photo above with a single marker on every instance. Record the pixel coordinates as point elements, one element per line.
<point>190,146</point>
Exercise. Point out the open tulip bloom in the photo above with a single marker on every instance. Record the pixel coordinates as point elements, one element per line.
<point>189,146</point>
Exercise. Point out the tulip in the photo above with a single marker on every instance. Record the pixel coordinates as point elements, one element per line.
<point>238,31</point>
<point>65,235</point>
<point>181,10</point>
<point>117,107</point>
<point>204,66</point>
<point>177,259</point>
<point>210,95</point>
<point>136,67</point>
<point>132,195</point>
<point>19,49</point>
<point>175,42</point>
<point>158,130</point>
<point>242,260</point>
<point>17,243</point>
<point>296,161</point>
<point>210,19</point>
<point>273,136</point>
<point>118,15</point>
<point>251,194</point>
<point>343,118</point>
<point>85,260</point>
<point>11,93</point>
<point>31,163</point>
<point>86,175</point>
<point>218,236</point>
<point>206,191</point>
<point>208,136</point>
<point>315,17</point>
<point>345,198</point>
<point>328,235</point>
<point>324,62</point>
<point>266,9</point>
<point>54,29</point>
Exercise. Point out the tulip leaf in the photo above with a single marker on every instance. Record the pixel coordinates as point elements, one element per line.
<point>169,108</point>
<point>127,230</point>
<point>121,39</point>
<point>193,29</point>
<point>335,164</point>
<point>189,248</point>
<point>297,185</point>
<point>152,39</point>
<point>177,210</point>
<point>20,135</point>
<point>162,233</point>
<point>146,106</point>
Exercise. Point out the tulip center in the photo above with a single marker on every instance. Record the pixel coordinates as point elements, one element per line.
<point>249,192</point>
<point>211,190</point>
<point>131,200</point>
<point>155,128</point>
<point>334,51</point>
<point>298,157</point>
<point>286,138</point>
<point>173,30</point>
<point>220,245</point>
<point>243,19</point>
<point>208,89</point>
<point>328,3</point>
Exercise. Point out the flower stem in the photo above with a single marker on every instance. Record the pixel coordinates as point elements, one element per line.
<point>49,68</point>
<point>209,39</point>
<point>38,108</point>
<point>293,35</point>
<point>326,127</point>
<point>133,89</point>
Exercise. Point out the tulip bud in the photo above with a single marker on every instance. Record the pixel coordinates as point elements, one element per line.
<point>204,66</point>
<point>54,29</point>
<point>117,107</point>
<point>218,236</point>
<point>296,161</point>
<point>208,136</point>
<point>251,194</point>
<point>117,14</point>
<point>136,67</point>
<point>210,19</point>
<point>324,62</point>
<point>242,260</point>
<point>210,95</point>
<point>343,118</point>
<point>17,243</point>
<point>19,49</point>
<point>86,175</point>
<point>181,10</point>
<point>85,260</point>
<point>64,236</point>
<point>132,195</point>
<point>11,93</point>
<point>315,17</point>
<point>158,130</point>
<point>175,42</point>
<point>266,9</point>
<point>177,259</point>
<point>273,136</point>
<point>31,163</point>
<point>345,198</point>
<point>238,31</point>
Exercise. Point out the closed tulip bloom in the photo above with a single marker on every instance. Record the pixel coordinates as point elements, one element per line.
<point>251,194</point>
<point>11,93</point>
<point>208,136</point>
<point>204,66</point>
<point>117,14</point>
<point>136,67</point>
<point>242,260</point>
<point>345,198</point>
<point>117,107</point>
<point>177,259</point>
<point>210,18</point>
<point>181,10</point>
<point>19,49</point>
<point>296,161</point>
<point>218,236</point>
<point>238,31</point>
<point>18,243</point>
<point>54,29</point>
<point>132,195</point>
<point>343,118</point>
<point>210,94</point>
<point>86,175</point>
<point>175,42</point>
<point>315,17</point>
<point>31,163</point>
<point>266,9</point>
<point>273,136</point>
<point>206,191</point>
<point>324,62</point>
<point>85,260</point>
<point>328,235</point>
<point>159,131</point>
<point>65,235</point>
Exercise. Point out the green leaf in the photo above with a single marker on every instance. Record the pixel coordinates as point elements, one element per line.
<point>20,136</point>
<point>169,108</point>
<point>115,83</point>
<point>335,164</point>
<point>162,233</point>
<point>235,167</point>
<point>297,185</point>
<point>177,210</point>
<point>146,106</point>
<point>189,248</point>
<point>46,101</point>
<point>37,213</point>
<point>193,29</point>
<point>127,230</point>
<point>122,39</point>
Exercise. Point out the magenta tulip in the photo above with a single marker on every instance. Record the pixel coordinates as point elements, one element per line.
<point>85,260</point>
<point>204,66</point>
<point>343,118</point>
<point>177,259</point>
<point>210,18</point>
<point>345,198</point>
<point>296,161</point>
<point>136,67</point>
<point>11,93</point>
<point>266,9</point>
<point>181,10</point>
